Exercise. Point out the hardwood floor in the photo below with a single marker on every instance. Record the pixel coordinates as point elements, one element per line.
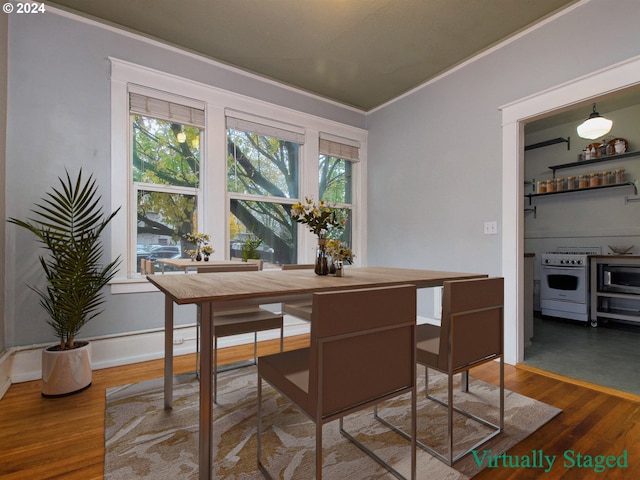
<point>64,438</point>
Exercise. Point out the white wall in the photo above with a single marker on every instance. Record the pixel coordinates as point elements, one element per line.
<point>435,156</point>
<point>590,218</point>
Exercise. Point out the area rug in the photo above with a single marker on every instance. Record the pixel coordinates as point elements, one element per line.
<point>143,441</point>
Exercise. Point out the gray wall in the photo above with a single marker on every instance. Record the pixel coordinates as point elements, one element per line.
<point>435,156</point>
<point>59,116</point>
<point>3,138</point>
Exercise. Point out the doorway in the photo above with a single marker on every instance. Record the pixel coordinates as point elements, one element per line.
<point>515,115</point>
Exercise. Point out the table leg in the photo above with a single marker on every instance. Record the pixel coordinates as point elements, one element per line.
<point>168,353</point>
<point>206,392</point>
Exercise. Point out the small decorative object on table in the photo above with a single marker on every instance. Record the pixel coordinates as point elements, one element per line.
<point>207,250</point>
<point>341,254</point>
<point>200,240</point>
<point>323,221</point>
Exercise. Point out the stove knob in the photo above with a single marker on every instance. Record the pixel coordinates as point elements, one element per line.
<point>579,262</point>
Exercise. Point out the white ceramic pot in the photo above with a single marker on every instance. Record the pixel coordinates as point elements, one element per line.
<point>66,372</point>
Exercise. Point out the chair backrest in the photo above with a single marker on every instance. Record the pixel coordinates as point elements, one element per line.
<point>472,328</point>
<point>297,266</point>
<point>258,262</point>
<point>248,267</point>
<point>362,348</point>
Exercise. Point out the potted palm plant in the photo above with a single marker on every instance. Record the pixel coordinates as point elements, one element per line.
<point>68,223</point>
<point>250,248</point>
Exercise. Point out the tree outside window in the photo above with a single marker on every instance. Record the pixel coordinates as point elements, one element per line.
<point>166,176</point>
<point>262,179</point>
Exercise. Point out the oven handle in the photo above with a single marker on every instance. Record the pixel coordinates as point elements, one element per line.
<point>564,267</point>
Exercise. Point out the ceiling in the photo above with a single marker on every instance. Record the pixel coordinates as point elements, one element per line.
<point>361,53</point>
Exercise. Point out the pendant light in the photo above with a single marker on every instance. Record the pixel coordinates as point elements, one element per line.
<point>595,126</point>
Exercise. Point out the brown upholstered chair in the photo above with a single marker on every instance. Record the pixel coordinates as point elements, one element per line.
<point>471,333</point>
<point>362,352</point>
<point>300,309</point>
<point>258,262</point>
<point>237,321</point>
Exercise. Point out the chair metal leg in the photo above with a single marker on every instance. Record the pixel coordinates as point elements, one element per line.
<point>261,466</point>
<point>282,339</point>
<point>255,348</point>
<point>450,459</point>
<point>374,456</point>
<point>215,369</point>
<point>198,320</point>
<point>411,437</point>
<point>318,451</point>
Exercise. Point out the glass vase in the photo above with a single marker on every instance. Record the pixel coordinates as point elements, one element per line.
<point>322,262</point>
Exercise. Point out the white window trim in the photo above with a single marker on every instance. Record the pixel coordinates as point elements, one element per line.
<point>213,175</point>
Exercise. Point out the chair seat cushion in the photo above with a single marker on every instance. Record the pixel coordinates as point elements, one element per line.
<point>288,372</point>
<point>428,346</point>
<point>245,321</point>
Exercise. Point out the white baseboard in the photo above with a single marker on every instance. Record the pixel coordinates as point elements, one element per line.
<point>23,364</point>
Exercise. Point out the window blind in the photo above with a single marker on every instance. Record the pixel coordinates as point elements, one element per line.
<point>165,110</point>
<point>334,148</point>
<point>269,129</point>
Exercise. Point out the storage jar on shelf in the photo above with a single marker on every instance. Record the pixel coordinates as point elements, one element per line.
<point>583,181</point>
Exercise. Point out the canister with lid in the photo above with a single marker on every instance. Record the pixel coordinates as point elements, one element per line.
<point>583,181</point>
<point>619,175</point>
<point>551,185</point>
<point>541,187</point>
<point>571,183</point>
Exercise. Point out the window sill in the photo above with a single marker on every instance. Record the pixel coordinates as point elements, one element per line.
<point>131,285</point>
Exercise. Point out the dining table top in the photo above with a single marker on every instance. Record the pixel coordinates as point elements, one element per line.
<point>277,284</point>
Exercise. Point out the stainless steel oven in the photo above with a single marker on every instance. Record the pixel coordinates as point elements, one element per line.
<point>618,279</point>
<point>564,285</point>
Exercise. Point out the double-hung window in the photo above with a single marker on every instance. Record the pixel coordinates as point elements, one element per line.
<point>187,157</point>
<point>166,163</point>
<point>335,179</point>
<point>263,176</point>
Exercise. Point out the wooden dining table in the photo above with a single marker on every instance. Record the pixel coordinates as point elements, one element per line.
<point>235,289</point>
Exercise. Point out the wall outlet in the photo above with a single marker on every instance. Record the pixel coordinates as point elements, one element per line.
<point>490,228</point>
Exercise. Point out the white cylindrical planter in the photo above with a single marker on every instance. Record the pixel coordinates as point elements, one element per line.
<point>65,372</point>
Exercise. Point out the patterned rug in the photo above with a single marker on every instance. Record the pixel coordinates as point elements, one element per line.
<point>143,441</point>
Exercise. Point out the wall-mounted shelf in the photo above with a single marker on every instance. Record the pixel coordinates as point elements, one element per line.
<point>546,143</point>
<point>530,196</point>
<point>606,158</point>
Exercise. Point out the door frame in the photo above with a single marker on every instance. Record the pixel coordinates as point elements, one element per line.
<point>514,116</point>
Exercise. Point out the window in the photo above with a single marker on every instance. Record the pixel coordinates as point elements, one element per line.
<point>235,173</point>
<point>336,179</point>
<point>165,162</point>
<point>263,182</point>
